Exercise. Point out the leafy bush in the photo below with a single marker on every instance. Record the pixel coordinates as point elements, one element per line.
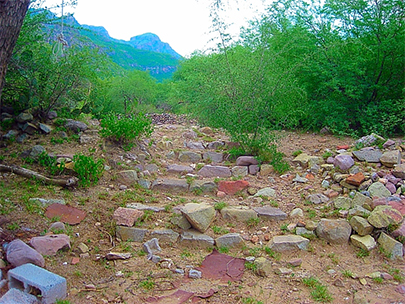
<point>88,170</point>
<point>50,164</point>
<point>125,130</point>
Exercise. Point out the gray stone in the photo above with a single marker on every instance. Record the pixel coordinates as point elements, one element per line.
<point>378,190</point>
<point>240,171</point>
<point>368,140</point>
<point>46,202</point>
<point>151,247</point>
<point>179,169</point>
<point>167,236</point>
<point>87,139</point>
<point>203,186</point>
<point>190,134</point>
<point>193,238</point>
<point>170,185</point>
<point>246,161</point>
<point>334,231</point>
<point>181,221</point>
<point>370,156</point>
<point>52,115</point>
<point>144,183</point>
<point>29,128</point>
<point>194,274</point>
<point>270,213</point>
<point>194,145</point>
<point>266,192</point>
<point>362,200</point>
<point>152,168</point>
<point>361,225</point>
<point>17,296</point>
<point>24,117</point>
<point>303,231</point>
<point>399,171</point>
<point>297,212</point>
<point>229,240</point>
<point>302,159</point>
<point>342,202</point>
<point>299,179</point>
<point>45,128</point>
<point>317,198</point>
<point>391,158</point>
<point>12,134</point>
<point>366,242</point>
<point>57,227</point>
<point>36,151</point>
<point>266,169</point>
<point>214,157</point>
<point>343,162</point>
<point>254,169</point>
<point>131,234</point>
<point>384,215</point>
<point>200,216</point>
<point>214,171</point>
<point>263,267</point>
<point>392,248</point>
<point>359,211</point>
<point>238,213</point>
<point>127,177</point>
<point>75,126</point>
<point>282,243</point>
<point>189,157</point>
<point>19,253</point>
<point>140,206</point>
<point>215,145</point>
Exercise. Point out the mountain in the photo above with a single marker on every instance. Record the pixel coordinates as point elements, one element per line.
<point>144,52</point>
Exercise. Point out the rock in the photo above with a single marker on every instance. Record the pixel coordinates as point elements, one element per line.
<point>263,267</point>
<point>189,134</point>
<point>189,157</point>
<point>194,145</point>
<point>130,234</point>
<point>144,183</point>
<point>52,115</point>
<point>238,213</point>
<point>36,151</point>
<point>366,242</point>
<point>317,198</point>
<point>139,206</point>
<point>229,240</point>
<point>12,134</point>
<point>75,126</point>
<point>297,212</point>
<point>391,248</point>
<point>282,243</point>
<point>254,169</point>
<point>203,186</point>
<point>19,253</point>
<point>295,262</point>
<point>266,192</point>
<point>378,190</point>
<point>334,231</point>
<point>181,221</point>
<point>83,248</point>
<point>151,247</point>
<point>240,171</point>
<point>270,213</point>
<point>67,214</point>
<point>127,177</point>
<point>370,156</point>
<point>303,231</point>
<point>126,216</point>
<point>29,128</point>
<point>299,179</point>
<point>362,200</point>
<point>342,202</point>
<point>398,205</point>
<point>170,185</point>
<point>232,187</point>
<point>200,216</point>
<point>214,171</point>
<point>399,171</point>
<point>214,157</point>
<point>400,232</point>
<point>152,168</point>
<point>45,128</point>
<point>343,162</point>
<point>388,143</point>
<point>356,179</point>
<point>17,296</point>
<point>112,256</point>
<point>391,158</point>
<point>194,274</point>
<point>266,169</point>
<point>50,244</point>
<point>24,117</point>
<point>359,211</point>
<point>246,161</point>
<point>57,227</point>
<point>167,236</point>
<point>302,159</point>
<point>215,145</point>
<point>195,239</point>
<point>46,202</point>
<point>368,140</point>
<point>382,216</point>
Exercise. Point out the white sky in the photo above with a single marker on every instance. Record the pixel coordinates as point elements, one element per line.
<point>184,24</point>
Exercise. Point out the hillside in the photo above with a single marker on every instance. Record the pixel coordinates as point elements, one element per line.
<point>145,52</point>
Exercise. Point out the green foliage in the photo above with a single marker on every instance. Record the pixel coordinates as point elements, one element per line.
<point>88,169</point>
<point>319,292</point>
<point>220,205</point>
<point>125,130</point>
<point>50,164</point>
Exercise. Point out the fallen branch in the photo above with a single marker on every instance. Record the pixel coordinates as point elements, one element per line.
<point>69,182</point>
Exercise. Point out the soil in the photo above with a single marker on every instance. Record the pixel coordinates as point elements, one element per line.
<point>139,280</point>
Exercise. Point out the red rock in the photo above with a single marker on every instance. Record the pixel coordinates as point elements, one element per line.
<point>50,244</point>
<point>309,176</point>
<point>254,239</point>
<point>400,289</point>
<point>127,216</point>
<point>295,262</point>
<point>356,179</point>
<point>331,193</point>
<point>267,237</point>
<point>378,201</point>
<point>67,214</point>
<point>75,260</point>
<point>386,276</point>
<point>221,194</point>
<point>231,187</point>
<point>344,147</point>
<point>398,205</point>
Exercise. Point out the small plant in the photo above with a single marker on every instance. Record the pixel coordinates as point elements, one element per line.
<point>147,284</point>
<point>88,170</point>
<point>253,222</point>
<point>319,292</point>
<point>296,153</point>
<point>378,280</point>
<point>347,273</point>
<point>362,253</point>
<point>251,266</point>
<point>186,254</point>
<point>220,205</point>
<point>219,230</point>
<point>334,258</point>
<point>311,213</point>
<point>13,226</point>
<point>223,249</point>
<point>255,251</point>
<point>274,204</point>
<point>141,253</point>
<point>284,228</point>
<point>63,302</point>
<point>50,164</point>
<point>250,300</point>
<point>326,154</point>
<point>272,253</point>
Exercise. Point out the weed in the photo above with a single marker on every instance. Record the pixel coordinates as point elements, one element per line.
<point>273,204</point>
<point>50,164</point>
<point>141,253</point>
<point>147,284</point>
<point>251,266</point>
<point>223,249</point>
<point>220,205</point>
<point>219,230</point>
<point>284,228</point>
<point>253,222</point>
<point>78,273</point>
<point>13,226</point>
<point>255,251</point>
<point>272,253</point>
<point>334,258</point>
<point>311,213</point>
<point>88,170</point>
<point>362,253</point>
<point>347,273</point>
<point>250,300</point>
<point>378,280</point>
<point>63,302</point>
<point>296,153</point>
<point>319,292</point>
<point>326,154</point>
<point>185,254</point>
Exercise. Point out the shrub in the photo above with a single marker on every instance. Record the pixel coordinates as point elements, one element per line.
<point>50,164</point>
<point>125,130</point>
<point>88,170</point>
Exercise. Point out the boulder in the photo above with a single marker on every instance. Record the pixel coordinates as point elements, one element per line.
<point>50,244</point>
<point>391,248</point>
<point>384,215</point>
<point>361,225</point>
<point>19,253</point>
<point>391,158</point>
<point>334,231</point>
<point>200,216</point>
<point>370,156</point>
<point>378,190</point>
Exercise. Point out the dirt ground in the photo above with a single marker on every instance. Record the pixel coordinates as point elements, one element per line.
<point>138,280</point>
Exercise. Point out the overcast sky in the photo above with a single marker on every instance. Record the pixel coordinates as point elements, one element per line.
<point>184,24</point>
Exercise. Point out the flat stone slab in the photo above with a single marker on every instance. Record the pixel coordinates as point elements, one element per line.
<point>270,213</point>
<point>266,192</point>
<point>179,169</point>
<point>203,186</point>
<point>366,242</point>
<point>232,187</point>
<point>392,248</point>
<point>17,296</point>
<point>214,171</point>
<point>189,157</point>
<point>165,235</point>
<point>370,156</point>
<point>200,216</point>
<point>126,216</point>
<point>214,157</point>
<point>171,185</point>
<point>391,158</point>
<point>229,240</point>
<point>238,213</point>
<point>361,225</point>
<point>282,243</point>
<point>67,214</point>
<point>50,244</point>
<point>194,238</point>
<point>131,234</point>
<point>142,207</point>
<point>246,161</point>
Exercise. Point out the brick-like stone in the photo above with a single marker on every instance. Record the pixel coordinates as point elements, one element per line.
<point>131,234</point>
<point>270,213</point>
<point>126,216</point>
<point>214,157</point>
<point>391,158</point>
<point>238,213</point>
<point>165,235</point>
<point>214,171</point>
<point>170,185</point>
<point>282,243</point>
<point>232,187</point>
<point>193,238</point>
<point>366,242</point>
<point>179,169</point>
<point>356,179</point>
<point>361,225</point>
<point>229,240</point>
<point>246,161</point>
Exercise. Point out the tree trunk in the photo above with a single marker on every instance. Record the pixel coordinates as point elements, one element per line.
<point>12,14</point>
